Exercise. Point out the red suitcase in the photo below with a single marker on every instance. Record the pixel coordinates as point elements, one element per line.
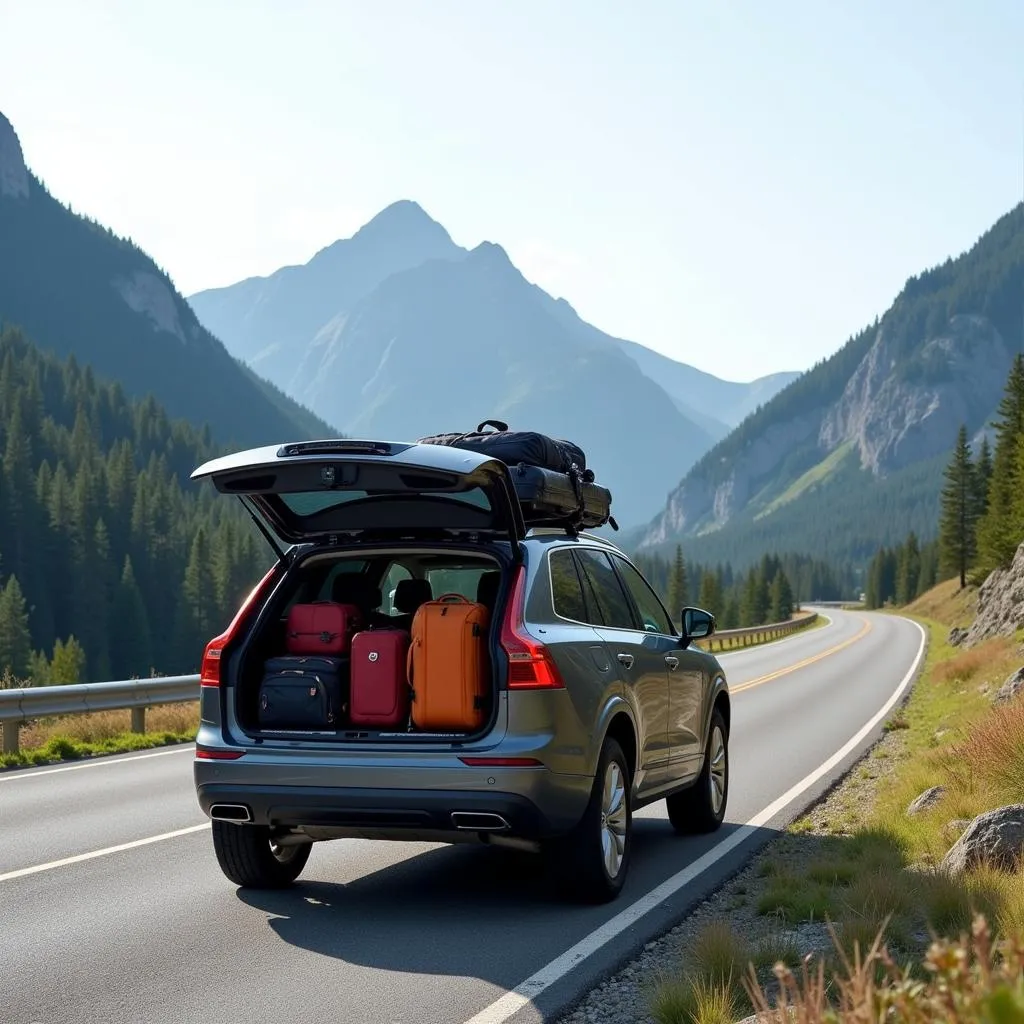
<point>322,628</point>
<point>379,687</point>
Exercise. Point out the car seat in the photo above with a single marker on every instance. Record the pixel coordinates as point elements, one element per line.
<point>409,595</point>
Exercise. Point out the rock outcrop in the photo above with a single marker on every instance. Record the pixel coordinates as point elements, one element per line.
<point>1000,603</point>
<point>994,839</point>
<point>1011,688</point>
<point>897,416</point>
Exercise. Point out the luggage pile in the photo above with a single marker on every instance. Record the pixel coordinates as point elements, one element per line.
<point>339,675</point>
<point>553,484</point>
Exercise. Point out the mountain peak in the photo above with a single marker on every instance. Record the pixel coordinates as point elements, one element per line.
<point>13,172</point>
<point>400,221</point>
<point>490,253</point>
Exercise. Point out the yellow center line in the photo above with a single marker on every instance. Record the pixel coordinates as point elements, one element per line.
<point>750,684</point>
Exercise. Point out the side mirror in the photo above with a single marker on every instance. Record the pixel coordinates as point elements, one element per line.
<point>697,624</point>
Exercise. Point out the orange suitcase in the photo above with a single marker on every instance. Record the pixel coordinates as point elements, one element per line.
<point>449,669</point>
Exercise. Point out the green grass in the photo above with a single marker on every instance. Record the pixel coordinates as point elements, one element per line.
<point>65,748</point>
<point>877,871</point>
<point>815,475</point>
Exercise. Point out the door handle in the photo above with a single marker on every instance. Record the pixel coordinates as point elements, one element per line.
<point>626,659</point>
<point>671,661</point>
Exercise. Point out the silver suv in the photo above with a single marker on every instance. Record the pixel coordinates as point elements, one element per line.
<point>598,705</point>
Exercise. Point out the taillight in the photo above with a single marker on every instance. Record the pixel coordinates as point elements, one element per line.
<point>206,754</point>
<point>209,673</point>
<point>530,665</point>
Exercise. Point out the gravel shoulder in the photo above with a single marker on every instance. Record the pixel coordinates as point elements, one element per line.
<point>626,997</point>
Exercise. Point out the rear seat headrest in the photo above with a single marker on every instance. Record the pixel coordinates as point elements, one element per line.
<point>410,594</point>
<point>487,588</point>
<point>352,588</point>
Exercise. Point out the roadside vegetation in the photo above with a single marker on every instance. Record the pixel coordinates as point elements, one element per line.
<point>901,895</point>
<point>74,737</point>
<point>860,868</point>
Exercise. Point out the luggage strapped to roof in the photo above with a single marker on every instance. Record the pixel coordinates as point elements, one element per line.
<point>537,462</point>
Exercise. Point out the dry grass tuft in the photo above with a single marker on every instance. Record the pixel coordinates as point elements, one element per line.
<point>102,726</point>
<point>947,604</point>
<point>973,978</point>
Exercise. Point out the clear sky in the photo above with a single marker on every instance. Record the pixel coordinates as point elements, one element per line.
<point>739,185</point>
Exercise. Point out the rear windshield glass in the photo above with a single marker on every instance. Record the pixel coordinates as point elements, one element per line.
<point>307,503</point>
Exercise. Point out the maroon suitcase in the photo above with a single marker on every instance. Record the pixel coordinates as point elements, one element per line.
<point>324,627</point>
<point>379,687</point>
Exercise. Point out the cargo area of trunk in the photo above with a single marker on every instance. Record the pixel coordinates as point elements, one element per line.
<point>388,585</point>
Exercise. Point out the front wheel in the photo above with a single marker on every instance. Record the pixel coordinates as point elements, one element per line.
<point>594,857</point>
<point>701,807</point>
<point>249,857</point>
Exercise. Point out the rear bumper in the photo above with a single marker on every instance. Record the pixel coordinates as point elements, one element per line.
<point>532,804</point>
<point>369,811</point>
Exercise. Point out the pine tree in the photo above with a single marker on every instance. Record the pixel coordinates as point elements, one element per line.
<point>197,607</point>
<point>15,638</point>
<point>677,585</point>
<point>983,475</point>
<point>997,541</point>
<point>133,655</point>
<point>710,593</point>
<point>908,570</point>
<point>39,669</point>
<point>68,663</point>
<point>781,598</point>
<point>959,520</point>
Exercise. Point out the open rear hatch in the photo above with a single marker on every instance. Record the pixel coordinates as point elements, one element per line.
<point>344,505</point>
<point>324,491</point>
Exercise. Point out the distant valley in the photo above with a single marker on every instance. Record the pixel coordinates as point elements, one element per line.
<point>850,456</point>
<point>399,332</point>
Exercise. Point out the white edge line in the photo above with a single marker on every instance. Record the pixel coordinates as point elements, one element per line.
<point>774,643</point>
<point>512,1002</point>
<point>99,762</point>
<point>78,858</point>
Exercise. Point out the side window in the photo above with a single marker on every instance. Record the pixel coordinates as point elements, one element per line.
<point>612,602</point>
<point>566,592</point>
<point>652,613</point>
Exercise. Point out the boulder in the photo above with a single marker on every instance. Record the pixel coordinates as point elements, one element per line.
<point>957,635</point>
<point>995,838</point>
<point>928,799</point>
<point>1010,688</point>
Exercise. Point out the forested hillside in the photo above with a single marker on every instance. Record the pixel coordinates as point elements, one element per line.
<point>78,289</point>
<point>850,455</point>
<point>981,523</point>
<point>112,563</point>
<point>766,592</point>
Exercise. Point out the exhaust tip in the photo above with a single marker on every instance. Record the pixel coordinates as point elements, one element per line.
<point>230,812</point>
<point>478,821</point>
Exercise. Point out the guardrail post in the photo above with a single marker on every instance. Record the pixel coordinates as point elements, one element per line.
<point>11,730</point>
<point>138,719</point>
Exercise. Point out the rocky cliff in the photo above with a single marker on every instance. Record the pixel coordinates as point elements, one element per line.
<point>869,427</point>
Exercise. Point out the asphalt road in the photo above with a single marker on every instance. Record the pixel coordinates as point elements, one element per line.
<point>407,934</point>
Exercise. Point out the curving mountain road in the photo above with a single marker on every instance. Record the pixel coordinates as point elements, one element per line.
<point>113,909</point>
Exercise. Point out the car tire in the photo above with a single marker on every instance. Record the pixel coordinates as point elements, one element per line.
<point>594,858</point>
<point>248,856</point>
<point>701,807</point>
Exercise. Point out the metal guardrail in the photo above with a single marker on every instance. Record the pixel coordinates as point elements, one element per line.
<point>730,639</point>
<point>19,706</point>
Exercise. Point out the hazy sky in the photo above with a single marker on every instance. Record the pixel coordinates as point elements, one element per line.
<point>739,185</point>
